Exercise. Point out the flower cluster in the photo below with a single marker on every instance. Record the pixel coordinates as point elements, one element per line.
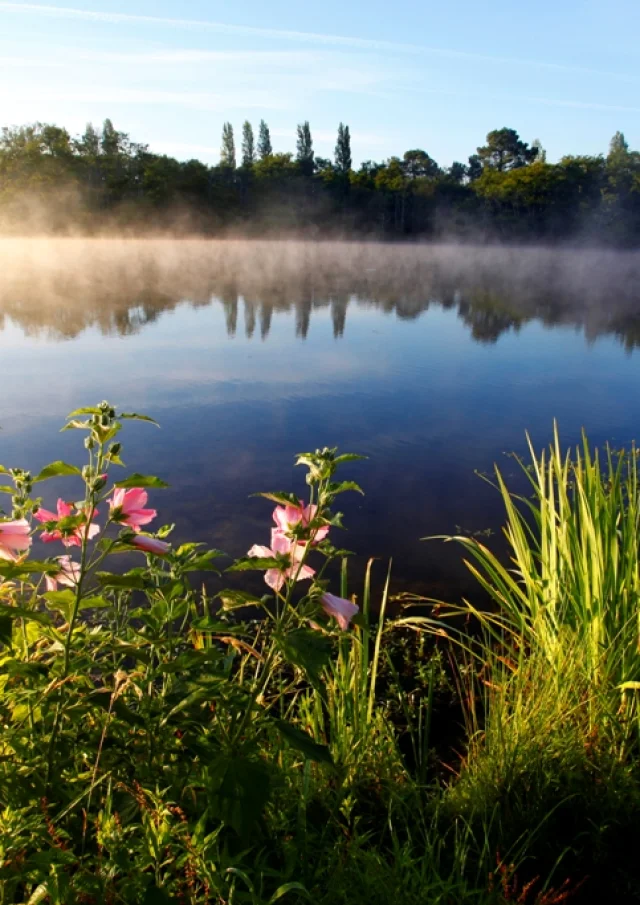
<point>73,525</point>
<point>295,532</point>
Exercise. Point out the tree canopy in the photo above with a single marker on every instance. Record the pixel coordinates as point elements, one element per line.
<point>507,190</point>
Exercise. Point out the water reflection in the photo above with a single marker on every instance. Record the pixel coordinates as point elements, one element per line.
<point>432,361</point>
<point>60,288</point>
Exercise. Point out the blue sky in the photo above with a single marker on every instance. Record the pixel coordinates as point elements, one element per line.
<point>432,75</point>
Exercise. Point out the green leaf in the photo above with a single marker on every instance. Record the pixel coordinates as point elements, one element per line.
<point>60,601</point>
<point>348,457</point>
<point>629,686</point>
<point>233,600</point>
<point>202,562</point>
<point>6,629</point>
<point>307,649</point>
<point>56,470</point>
<point>155,896</point>
<point>94,603</point>
<point>216,626</point>
<point>287,888</point>
<point>39,894</point>
<point>77,425</point>
<point>87,410</point>
<point>102,697</point>
<point>256,564</point>
<point>133,416</point>
<point>285,499</point>
<point>142,480</point>
<point>189,659</point>
<point>18,612</point>
<point>239,790</point>
<point>6,488</point>
<point>133,581</point>
<point>12,570</point>
<point>342,486</point>
<point>302,741</point>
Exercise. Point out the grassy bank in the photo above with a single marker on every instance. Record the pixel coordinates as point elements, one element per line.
<point>161,745</point>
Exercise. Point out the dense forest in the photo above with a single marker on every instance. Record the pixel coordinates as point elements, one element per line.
<point>52,182</point>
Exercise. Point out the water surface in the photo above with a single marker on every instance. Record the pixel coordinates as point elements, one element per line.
<point>431,361</point>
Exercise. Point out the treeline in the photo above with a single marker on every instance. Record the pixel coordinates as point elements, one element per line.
<point>505,190</point>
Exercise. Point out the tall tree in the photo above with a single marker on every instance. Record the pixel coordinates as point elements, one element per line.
<point>541,154</point>
<point>304,148</point>
<point>89,144</point>
<point>228,149</point>
<point>505,150</point>
<point>265,148</point>
<point>248,145</point>
<point>417,164</point>
<point>474,167</point>
<point>618,146</point>
<point>343,150</point>
<point>457,171</point>
<point>111,139</point>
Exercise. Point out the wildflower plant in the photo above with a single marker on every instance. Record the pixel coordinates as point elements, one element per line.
<point>139,712</point>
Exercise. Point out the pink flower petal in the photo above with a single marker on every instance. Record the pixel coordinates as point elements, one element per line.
<point>301,573</point>
<point>44,515</point>
<point>279,542</point>
<point>274,578</point>
<point>150,544</point>
<point>258,552</point>
<point>340,609</point>
<point>64,509</point>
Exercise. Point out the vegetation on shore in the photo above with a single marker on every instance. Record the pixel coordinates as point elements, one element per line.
<point>162,743</point>
<point>102,180</point>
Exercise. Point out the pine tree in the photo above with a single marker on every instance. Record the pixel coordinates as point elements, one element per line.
<point>264,141</point>
<point>111,139</point>
<point>541,154</point>
<point>304,148</point>
<point>90,142</point>
<point>343,150</point>
<point>228,149</point>
<point>248,146</point>
<point>618,150</point>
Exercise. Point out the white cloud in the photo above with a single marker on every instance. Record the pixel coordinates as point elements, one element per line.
<point>113,18</point>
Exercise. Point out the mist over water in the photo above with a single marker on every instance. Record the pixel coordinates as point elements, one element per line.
<point>431,360</point>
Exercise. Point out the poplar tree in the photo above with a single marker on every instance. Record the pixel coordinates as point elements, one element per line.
<point>304,148</point>
<point>248,146</point>
<point>228,149</point>
<point>264,141</point>
<point>343,150</point>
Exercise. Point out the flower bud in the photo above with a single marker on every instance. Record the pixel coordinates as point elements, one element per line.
<point>115,448</point>
<point>99,483</point>
<point>89,442</point>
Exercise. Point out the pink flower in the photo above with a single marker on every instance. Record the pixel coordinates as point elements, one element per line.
<point>14,538</point>
<point>288,518</point>
<point>342,610</point>
<point>150,544</point>
<point>126,507</point>
<point>70,537</point>
<point>68,575</point>
<point>275,578</point>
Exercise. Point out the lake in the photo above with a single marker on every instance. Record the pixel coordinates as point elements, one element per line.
<point>432,361</point>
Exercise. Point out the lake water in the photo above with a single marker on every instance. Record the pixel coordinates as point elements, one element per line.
<point>431,361</point>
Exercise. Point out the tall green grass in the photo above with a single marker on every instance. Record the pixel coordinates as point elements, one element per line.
<point>552,715</point>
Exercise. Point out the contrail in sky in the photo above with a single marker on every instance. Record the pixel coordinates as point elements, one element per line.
<point>112,18</point>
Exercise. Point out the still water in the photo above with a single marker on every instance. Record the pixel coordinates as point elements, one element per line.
<point>431,361</point>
